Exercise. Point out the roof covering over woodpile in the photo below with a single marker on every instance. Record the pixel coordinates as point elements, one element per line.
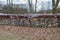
<point>28,15</point>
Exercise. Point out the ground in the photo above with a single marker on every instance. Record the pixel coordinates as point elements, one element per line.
<point>28,33</point>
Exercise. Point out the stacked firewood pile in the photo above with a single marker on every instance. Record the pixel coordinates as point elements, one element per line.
<point>37,21</point>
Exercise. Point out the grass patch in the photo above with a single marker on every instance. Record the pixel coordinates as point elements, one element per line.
<point>2,37</point>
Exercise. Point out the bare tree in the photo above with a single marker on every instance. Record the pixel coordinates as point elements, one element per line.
<point>30,5</point>
<point>35,6</point>
<point>54,5</point>
<point>10,5</point>
<point>0,5</point>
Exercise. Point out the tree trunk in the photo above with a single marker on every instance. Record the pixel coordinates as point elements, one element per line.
<point>54,6</point>
<point>30,5</point>
<point>35,6</point>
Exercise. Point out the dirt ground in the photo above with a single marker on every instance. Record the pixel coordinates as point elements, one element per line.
<point>28,33</point>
